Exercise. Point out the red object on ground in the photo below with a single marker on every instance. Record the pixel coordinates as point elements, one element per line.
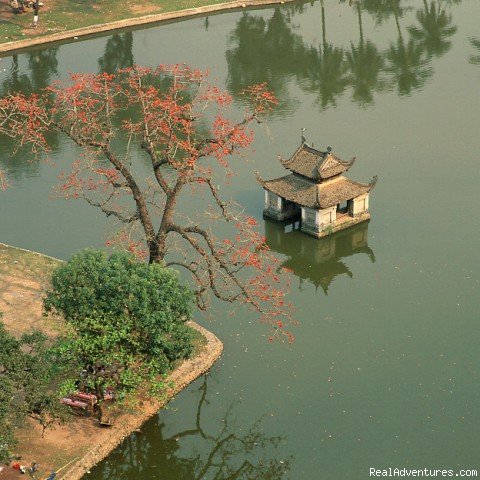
<point>74,403</point>
<point>90,397</point>
<point>109,395</point>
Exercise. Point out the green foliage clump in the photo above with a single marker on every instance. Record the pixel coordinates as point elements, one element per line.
<point>26,377</point>
<point>126,319</point>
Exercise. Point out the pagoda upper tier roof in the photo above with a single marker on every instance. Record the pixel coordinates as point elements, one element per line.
<point>305,192</point>
<point>316,165</point>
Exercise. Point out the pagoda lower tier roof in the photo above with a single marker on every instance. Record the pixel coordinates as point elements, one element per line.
<point>307,193</point>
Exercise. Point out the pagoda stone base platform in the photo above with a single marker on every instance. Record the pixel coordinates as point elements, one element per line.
<point>340,224</point>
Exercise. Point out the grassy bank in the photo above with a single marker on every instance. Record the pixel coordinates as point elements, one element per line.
<point>63,15</point>
<point>24,278</point>
<point>61,20</point>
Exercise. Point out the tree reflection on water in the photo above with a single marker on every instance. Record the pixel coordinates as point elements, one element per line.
<point>200,452</point>
<point>42,68</point>
<point>264,51</point>
<point>118,53</point>
<point>475,59</point>
<point>435,29</point>
<point>270,50</point>
<point>324,70</point>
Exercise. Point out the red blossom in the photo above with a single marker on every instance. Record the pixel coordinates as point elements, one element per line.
<point>162,116</point>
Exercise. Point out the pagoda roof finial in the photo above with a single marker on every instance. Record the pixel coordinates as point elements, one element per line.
<point>259,179</point>
<point>303,139</point>
<point>373,181</point>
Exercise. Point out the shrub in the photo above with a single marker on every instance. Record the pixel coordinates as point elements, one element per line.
<point>127,319</point>
<point>26,377</point>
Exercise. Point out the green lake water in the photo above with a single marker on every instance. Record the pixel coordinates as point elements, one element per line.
<point>384,370</point>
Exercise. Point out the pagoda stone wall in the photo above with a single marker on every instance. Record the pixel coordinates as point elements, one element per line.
<point>359,205</point>
<point>278,208</point>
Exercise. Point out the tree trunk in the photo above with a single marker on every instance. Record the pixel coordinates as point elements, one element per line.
<point>158,246</point>
<point>154,252</point>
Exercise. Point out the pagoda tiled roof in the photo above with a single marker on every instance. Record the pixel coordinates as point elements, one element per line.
<point>315,164</point>
<point>308,193</point>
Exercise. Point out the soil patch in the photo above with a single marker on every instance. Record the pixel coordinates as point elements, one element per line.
<point>23,280</point>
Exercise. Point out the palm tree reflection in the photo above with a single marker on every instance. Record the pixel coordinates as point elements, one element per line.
<point>264,51</point>
<point>435,28</point>
<point>407,61</point>
<point>269,51</point>
<point>365,63</point>
<point>475,59</point>
<point>42,68</point>
<point>118,53</point>
<point>324,70</point>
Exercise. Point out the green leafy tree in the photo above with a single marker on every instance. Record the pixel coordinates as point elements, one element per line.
<point>7,439</point>
<point>127,320</point>
<point>26,377</point>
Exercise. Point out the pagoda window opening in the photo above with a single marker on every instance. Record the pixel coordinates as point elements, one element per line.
<point>292,208</point>
<point>342,207</point>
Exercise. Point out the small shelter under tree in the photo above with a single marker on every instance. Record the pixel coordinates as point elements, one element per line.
<point>317,192</point>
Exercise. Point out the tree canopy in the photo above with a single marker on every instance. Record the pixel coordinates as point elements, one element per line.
<point>172,120</point>
<point>26,376</point>
<point>127,320</point>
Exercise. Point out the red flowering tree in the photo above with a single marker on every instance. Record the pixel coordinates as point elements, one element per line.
<point>172,120</point>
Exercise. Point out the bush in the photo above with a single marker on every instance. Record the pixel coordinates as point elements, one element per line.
<point>26,377</point>
<point>127,319</point>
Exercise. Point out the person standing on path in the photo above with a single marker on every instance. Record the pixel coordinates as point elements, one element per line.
<point>36,8</point>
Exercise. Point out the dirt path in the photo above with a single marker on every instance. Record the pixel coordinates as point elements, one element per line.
<point>23,281</point>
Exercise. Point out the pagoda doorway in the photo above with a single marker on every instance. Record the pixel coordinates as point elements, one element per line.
<point>343,209</point>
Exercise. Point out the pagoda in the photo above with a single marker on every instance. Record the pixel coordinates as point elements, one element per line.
<point>317,192</point>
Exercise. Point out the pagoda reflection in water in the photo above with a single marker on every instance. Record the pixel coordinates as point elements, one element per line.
<point>317,261</point>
